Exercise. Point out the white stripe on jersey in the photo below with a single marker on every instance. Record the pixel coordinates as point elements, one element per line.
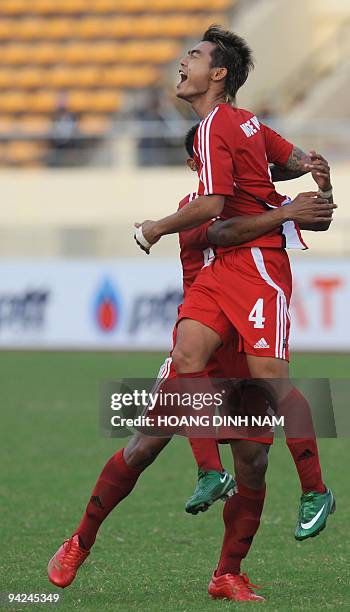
<point>207,150</point>
<point>202,177</point>
<point>204,151</point>
<point>281,303</point>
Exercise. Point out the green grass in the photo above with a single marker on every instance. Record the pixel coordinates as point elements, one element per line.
<point>149,553</point>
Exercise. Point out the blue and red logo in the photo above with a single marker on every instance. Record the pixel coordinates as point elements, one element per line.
<point>107,308</point>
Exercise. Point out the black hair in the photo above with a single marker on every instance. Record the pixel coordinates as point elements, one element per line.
<point>232,52</point>
<point>189,139</point>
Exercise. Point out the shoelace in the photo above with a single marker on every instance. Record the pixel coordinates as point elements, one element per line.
<point>247,584</point>
<point>308,508</point>
<point>73,554</point>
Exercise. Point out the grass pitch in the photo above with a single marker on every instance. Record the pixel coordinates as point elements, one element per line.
<point>149,553</point>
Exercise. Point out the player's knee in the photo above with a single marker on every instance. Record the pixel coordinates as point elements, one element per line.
<point>142,451</point>
<point>259,462</point>
<point>187,360</point>
<point>252,464</point>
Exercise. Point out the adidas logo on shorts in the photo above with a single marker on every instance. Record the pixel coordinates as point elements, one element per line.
<point>262,344</point>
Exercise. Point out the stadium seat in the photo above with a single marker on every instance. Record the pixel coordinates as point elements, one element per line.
<point>57,29</point>
<point>95,7</point>
<point>7,125</point>
<point>102,101</point>
<point>13,102</point>
<point>156,52</point>
<point>6,78</point>
<point>28,29</point>
<point>62,7</point>
<point>14,54</point>
<point>74,53</point>
<point>89,50</point>
<point>92,27</point>
<point>94,125</point>
<point>42,102</point>
<point>43,53</point>
<point>68,77</point>
<point>60,77</point>
<point>134,77</point>
<point>13,7</point>
<point>6,32</point>
<point>34,124</point>
<point>28,78</point>
<point>23,153</point>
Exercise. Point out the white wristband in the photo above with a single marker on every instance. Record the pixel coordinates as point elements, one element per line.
<point>141,239</point>
<point>326,194</point>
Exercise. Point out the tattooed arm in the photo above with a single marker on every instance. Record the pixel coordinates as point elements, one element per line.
<point>278,173</point>
<point>298,161</point>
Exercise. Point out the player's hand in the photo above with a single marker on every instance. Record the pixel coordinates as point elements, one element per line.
<point>150,234</point>
<point>309,207</point>
<point>320,170</point>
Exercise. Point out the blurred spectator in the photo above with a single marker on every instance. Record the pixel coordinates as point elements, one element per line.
<point>159,116</point>
<point>65,140</point>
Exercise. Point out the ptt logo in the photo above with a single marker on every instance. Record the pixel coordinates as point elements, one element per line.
<point>107,307</point>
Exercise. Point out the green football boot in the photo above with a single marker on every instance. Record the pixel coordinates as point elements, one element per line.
<point>211,486</point>
<point>313,513</point>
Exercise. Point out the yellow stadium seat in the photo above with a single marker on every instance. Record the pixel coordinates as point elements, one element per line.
<point>57,29</point>
<point>103,6</point>
<point>29,29</point>
<point>14,54</point>
<point>88,76</point>
<point>94,125</point>
<point>28,78</point>
<point>60,77</point>
<point>127,76</point>
<point>53,7</point>
<point>44,53</point>
<point>75,53</point>
<point>24,152</point>
<point>6,78</point>
<point>13,7</point>
<point>102,101</point>
<point>39,125</point>
<point>157,53</point>
<point>13,102</point>
<point>7,124</point>
<point>68,77</point>
<point>92,27</point>
<point>123,27</point>
<point>6,31</point>
<point>104,53</point>
<point>42,102</point>
<point>73,6</point>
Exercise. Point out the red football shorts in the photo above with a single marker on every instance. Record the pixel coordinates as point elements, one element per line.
<point>227,363</point>
<point>252,288</point>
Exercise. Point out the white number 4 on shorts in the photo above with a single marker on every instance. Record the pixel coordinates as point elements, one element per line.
<point>256,314</point>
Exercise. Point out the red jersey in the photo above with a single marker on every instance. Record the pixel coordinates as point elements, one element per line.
<point>232,150</point>
<point>195,249</point>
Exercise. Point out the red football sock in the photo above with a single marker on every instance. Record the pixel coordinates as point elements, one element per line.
<point>205,450</point>
<point>305,455</point>
<point>115,482</point>
<point>206,454</point>
<point>241,515</point>
<point>303,448</point>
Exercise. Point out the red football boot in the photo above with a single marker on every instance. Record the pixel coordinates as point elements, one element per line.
<point>65,563</point>
<point>231,586</point>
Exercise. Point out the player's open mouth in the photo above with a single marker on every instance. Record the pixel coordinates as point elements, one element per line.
<point>183,77</point>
